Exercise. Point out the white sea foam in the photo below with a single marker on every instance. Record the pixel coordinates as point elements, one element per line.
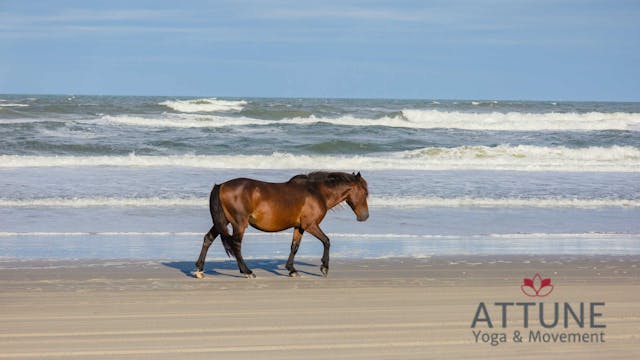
<point>417,119</point>
<point>193,233</point>
<point>204,105</point>
<point>393,202</point>
<point>595,236</point>
<point>211,121</point>
<point>183,121</point>
<point>26,121</point>
<point>3,104</point>
<point>516,121</point>
<point>503,157</point>
<point>527,157</point>
<point>105,202</point>
<point>554,202</point>
<point>97,233</point>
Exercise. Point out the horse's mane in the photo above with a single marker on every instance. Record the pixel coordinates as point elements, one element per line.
<point>331,179</point>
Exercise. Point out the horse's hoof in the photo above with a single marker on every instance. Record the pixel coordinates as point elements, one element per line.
<point>294,274</point>
<point>250,276</point>
<point>324,270</point>
<point>198,274</point>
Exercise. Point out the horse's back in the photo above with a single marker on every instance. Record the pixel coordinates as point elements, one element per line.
<point>262,190</point>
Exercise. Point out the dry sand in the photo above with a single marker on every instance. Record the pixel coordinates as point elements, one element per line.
<point>366,309</point>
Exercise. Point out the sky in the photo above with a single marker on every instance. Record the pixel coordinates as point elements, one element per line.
<point>451,49</point>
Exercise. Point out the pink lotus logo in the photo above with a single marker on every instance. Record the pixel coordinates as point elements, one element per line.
<point>537,286</point>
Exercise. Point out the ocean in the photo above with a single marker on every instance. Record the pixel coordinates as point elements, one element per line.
<point>128,177</point>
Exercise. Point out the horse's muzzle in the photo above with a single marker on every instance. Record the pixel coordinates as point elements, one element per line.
<point>363,217</point>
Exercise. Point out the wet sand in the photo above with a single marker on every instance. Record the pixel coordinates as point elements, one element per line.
<point>365,309</point>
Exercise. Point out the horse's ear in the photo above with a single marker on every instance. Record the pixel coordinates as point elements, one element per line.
<point>358,175</point>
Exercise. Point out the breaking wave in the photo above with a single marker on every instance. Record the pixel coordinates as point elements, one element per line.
<point>516,121</point>
<point>182,121</point>
<point>415,119</point>
<point>2,104</point>
<point>204,105</point>
<point>422,202</point>
<point>503,157</point>
<point>541,236</point>
<point>391,201</point>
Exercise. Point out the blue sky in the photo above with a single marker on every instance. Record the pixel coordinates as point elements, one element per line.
<point>493,49</point>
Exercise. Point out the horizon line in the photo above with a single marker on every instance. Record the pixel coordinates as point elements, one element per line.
<point>323,97</point>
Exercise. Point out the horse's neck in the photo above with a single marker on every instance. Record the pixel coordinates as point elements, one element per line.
<point>334,196</point>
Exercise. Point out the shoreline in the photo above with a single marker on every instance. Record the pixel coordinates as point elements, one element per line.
<point>401,308</point>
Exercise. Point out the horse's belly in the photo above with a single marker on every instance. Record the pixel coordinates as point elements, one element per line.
<point>270,223</point>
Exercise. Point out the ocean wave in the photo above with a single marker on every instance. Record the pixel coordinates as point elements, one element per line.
<point>386,236</point>
<point>182,121</point>
<point>204,105</point>
<point>2,104</point>
<point>516,121</point>
<point>28,121</point>
<point>535,155</point>
<point>210,121</point>
<point>555,202</point>
<point>105,202</point>
<point>374,201</point>
<point>503,157</point>
<point>414,119</point>
<point>484,103</point>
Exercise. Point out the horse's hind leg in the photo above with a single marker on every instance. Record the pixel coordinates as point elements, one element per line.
<point>206,243</point>
<point>238,233</point>
<point>244,269</point>
<point>295,244</point>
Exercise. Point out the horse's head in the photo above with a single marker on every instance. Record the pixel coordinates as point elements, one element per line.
<point>357,198</point>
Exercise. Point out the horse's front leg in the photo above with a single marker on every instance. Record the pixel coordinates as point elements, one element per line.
<point>318,233</point>
<point>206,243</point>
<point>295,244</point>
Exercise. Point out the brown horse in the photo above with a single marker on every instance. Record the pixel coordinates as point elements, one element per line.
<point>300,203</point>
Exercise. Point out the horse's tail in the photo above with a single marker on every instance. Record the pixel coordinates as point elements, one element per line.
<point>220,222</point>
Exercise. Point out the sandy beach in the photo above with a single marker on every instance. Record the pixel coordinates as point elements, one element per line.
<point>384,308</point>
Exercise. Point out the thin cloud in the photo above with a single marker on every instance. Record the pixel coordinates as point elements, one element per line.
<point>76,16</point>
<point>348,13</point>
<point>69,22</point>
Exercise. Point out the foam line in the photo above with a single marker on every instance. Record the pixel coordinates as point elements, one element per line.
<point>381,236</point>
<point>502,157</point>
<point>391,201</point>
<point>204,105</point>
<point>416,119</point>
